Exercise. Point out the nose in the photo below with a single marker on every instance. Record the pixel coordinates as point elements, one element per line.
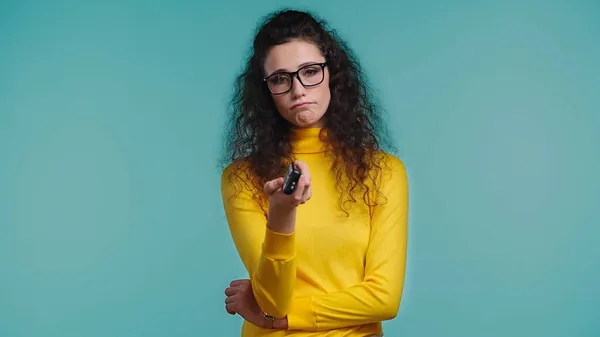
<point>298,89</point>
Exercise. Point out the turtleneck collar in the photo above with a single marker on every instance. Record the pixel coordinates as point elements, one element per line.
<point>307,140</point>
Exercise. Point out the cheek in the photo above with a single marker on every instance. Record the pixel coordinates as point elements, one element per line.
<point>280,102</point>
<point>324,97</point>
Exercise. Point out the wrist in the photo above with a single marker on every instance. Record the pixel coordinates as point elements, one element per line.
<point>281,323</point>
<point>282,220</point>
<point>270,322</point>
<point>267,321</point>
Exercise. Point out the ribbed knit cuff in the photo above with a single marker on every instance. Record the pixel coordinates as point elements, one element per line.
<point>302,316</point>
<point>278,246</point>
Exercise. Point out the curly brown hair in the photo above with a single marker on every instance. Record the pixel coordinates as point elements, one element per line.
<point>258,135</point>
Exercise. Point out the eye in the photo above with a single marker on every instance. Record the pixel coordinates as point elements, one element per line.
<point>278,79</point>
<point>311,71</point>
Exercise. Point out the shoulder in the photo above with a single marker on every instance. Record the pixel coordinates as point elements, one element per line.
<point>392,176</point>
<point>230,176</point>
<point>390,163</point>
<point>235,177</point>
<point>239,169</point>
<point>392,180</point>
<point>238,191</point>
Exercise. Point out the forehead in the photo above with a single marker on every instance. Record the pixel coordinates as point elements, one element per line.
<point>291,55</point>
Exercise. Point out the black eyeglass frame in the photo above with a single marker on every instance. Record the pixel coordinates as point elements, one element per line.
<point>293,74</point>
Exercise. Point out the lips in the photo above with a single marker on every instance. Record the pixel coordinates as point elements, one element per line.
<point>301,105</point>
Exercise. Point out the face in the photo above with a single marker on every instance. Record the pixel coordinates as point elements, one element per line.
<point>304,105</point>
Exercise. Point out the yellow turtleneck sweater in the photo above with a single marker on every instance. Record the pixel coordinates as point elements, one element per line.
<point>346,273</point>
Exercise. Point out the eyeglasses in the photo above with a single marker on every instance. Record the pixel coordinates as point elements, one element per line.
<point>309,76</point>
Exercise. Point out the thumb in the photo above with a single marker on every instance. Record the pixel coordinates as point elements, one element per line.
<point>273,185</point>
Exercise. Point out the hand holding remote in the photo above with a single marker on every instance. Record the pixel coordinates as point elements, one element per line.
<point>291,190</point>
<point>282,206</point>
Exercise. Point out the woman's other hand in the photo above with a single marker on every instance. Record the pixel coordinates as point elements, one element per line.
<point>240,300</point>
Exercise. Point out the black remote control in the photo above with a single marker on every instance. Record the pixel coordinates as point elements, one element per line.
<point>290,181</point>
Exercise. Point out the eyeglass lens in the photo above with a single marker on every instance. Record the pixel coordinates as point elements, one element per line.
<point>308,76</point>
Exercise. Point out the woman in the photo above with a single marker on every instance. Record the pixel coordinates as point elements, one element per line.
<point>329,259</point>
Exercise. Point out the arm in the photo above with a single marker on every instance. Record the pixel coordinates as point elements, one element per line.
<point>377,298</point>
<point>269,256</point>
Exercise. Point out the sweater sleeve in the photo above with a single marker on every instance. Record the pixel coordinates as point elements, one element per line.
<point>269,257</point>
<point>377,297</point>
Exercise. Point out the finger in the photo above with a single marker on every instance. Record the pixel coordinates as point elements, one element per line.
<point>273,185</point>
<point>305,177</point>
<point>230,299</point>
<point>237,283</point>
<point>307,193</point>
<point>231,291</point>
<point>299,193</point>
<point>304,168</point>
<point>305,190</point>
<point>230,307</point>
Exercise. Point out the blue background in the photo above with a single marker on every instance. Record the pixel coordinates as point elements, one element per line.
<point>111,115</point>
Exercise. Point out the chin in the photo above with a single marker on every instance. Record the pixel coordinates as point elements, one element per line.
<point>312,119</point>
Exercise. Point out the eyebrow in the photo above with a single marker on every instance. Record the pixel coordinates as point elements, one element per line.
<point>280,70</point>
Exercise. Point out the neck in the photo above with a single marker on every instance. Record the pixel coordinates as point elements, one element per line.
<point>308,140</point>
